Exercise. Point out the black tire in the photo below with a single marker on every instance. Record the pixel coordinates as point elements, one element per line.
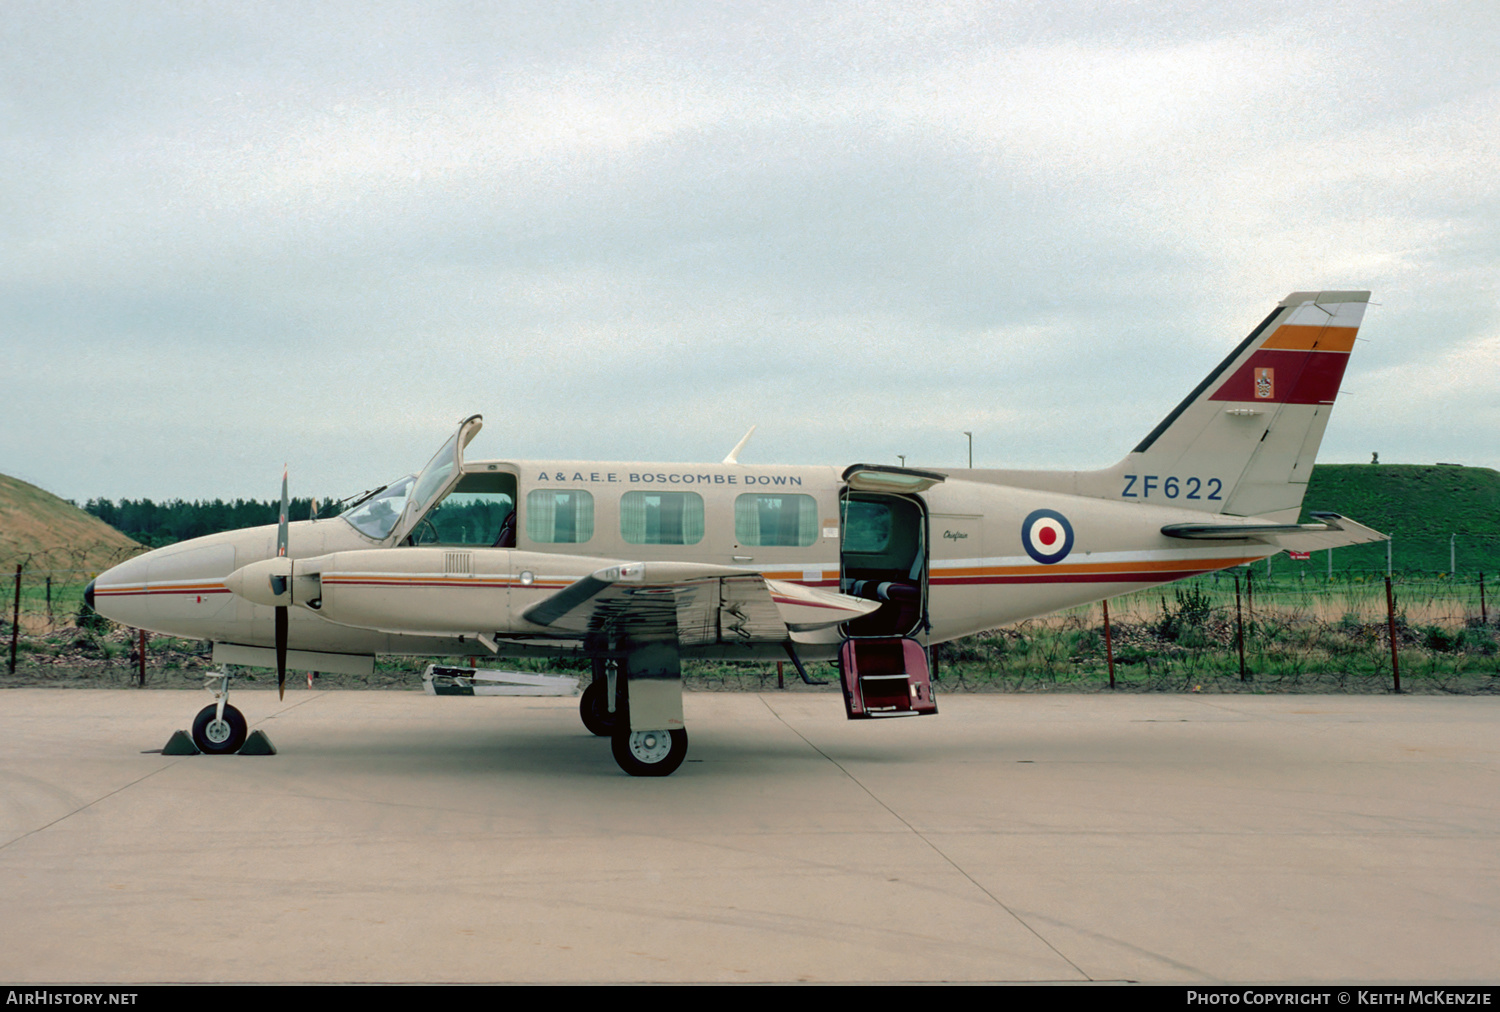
<point>643,754</point>
<point>206,729</point>
<point>594,711</point>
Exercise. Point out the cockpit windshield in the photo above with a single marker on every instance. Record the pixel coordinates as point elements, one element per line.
<point>377,515</point>
<point>398,507</point>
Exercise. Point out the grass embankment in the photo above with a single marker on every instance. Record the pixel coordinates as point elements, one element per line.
<point>42,531</point>
<point>1421,506</point>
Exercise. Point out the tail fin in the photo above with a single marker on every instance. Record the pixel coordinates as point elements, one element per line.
<point>1243,442</point>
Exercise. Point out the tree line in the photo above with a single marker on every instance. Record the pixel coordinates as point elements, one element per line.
<point>162,523</point>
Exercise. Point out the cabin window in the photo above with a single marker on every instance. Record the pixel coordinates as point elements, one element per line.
<point>867,527</point>
<point>559,517</point>
<point>661,518</point>
<point>767,520</point>
<point>474,513</point>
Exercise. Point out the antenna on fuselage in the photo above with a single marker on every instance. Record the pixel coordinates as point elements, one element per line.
<point>734,454</point>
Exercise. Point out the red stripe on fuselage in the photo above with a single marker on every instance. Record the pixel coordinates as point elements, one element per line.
<point>1151,576</point>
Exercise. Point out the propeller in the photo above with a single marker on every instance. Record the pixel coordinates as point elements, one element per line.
<point>282,619</point>
<point>269,582</point>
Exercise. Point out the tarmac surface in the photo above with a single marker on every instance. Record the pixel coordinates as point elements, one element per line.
<point>403,837</point>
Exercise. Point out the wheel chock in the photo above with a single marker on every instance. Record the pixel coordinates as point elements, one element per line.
<point>257,744</point>
<point>181,743</point>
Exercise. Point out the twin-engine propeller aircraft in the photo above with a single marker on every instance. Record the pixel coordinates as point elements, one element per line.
<point>638,566</point>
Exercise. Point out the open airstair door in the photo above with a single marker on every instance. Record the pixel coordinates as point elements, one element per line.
<point>883,556</point>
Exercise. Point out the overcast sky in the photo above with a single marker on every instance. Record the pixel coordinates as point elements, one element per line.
<point>237,235</point>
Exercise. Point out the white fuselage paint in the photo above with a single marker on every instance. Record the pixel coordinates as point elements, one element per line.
<point>980,574</point>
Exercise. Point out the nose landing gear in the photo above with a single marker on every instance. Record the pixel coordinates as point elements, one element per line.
<point>219,734</point>
<point>219,729</point>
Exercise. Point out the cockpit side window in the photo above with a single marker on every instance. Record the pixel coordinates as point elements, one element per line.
<point>474,513</point>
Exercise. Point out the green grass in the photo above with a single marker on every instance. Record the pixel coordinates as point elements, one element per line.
<point>1421,505</point>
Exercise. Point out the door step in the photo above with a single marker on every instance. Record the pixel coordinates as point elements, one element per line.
<point>885,676</point>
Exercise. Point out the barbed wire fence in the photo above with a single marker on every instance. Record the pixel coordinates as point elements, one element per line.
<point>1427,631</point>
<point>1295,627</point>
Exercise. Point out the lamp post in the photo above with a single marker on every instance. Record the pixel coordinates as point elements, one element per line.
<point>901,457</point>
<point>971,449</point>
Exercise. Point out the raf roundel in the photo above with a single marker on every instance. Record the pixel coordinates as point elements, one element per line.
<point>1047,536</point>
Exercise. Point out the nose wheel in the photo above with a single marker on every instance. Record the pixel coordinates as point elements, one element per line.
<point>216,734</point>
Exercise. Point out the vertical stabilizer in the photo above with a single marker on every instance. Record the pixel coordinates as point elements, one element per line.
<point>1243,442</point>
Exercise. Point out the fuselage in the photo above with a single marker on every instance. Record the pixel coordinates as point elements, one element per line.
<point>983,554</point>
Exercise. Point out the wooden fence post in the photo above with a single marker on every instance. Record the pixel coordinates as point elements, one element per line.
<point>1239,627</point>
<point>1109,646</point>
<point>15,620</point>
<point>1390,620</point>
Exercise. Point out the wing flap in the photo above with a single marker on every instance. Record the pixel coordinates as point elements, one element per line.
<point>696,604</point>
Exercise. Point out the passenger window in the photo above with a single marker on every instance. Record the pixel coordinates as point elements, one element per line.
<point>474,513</point>
<point>564,517</point>
<point>768,520</point>
<point>867,527</point>
<point>661,518</point>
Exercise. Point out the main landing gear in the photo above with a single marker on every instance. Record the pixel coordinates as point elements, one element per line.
<point>649,753</point>
<point>646,687</point>
<point>593,707</point>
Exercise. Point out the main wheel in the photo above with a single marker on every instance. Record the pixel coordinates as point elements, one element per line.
<point>649,753</point>
<point>219,737</point>
<point>595,711</point>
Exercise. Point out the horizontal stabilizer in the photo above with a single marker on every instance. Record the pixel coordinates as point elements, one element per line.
<point>1332,531</point>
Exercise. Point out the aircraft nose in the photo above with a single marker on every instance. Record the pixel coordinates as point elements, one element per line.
<point>88,595</point>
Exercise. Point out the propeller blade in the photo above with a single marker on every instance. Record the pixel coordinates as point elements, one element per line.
<point>281,625</point>
<point>281,522</point>
<point>281,612</point>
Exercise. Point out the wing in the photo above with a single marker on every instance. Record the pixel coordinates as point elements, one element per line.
<point>694,603</point>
